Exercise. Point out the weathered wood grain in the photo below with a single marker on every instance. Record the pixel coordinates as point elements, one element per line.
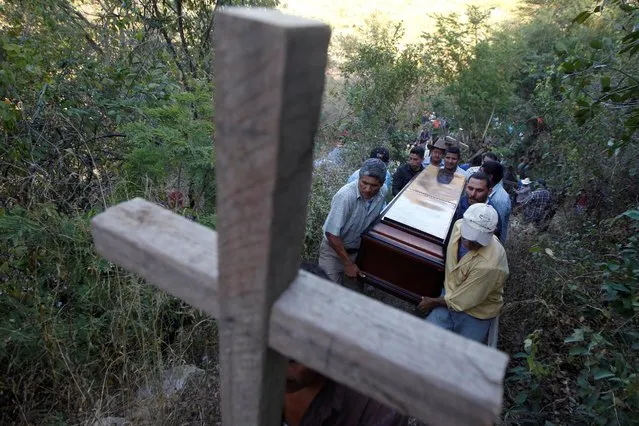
<point>269,71</point>
<point>171,252</point>
<point>396,358</point>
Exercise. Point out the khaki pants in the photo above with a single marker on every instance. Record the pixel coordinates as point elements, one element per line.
<point>334,266</point>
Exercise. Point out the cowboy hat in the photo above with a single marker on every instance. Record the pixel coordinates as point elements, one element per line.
<point>439,144</point>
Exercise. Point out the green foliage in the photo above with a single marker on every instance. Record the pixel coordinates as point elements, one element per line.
<point>608,382</point>
<point>171,145</point>
<point>528,375</point>
<point>69,318</point>
<point>380,75</point>
<point>594,372</point>
<point>474,72</point>
<point>326,182</point>
<point>450,48</point>
<point>600,81</point>
<point>621,276</point>
<point>100,102</point>
<point>487,84</point>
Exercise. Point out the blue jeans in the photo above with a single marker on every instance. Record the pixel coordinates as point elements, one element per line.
<point>460,323</point>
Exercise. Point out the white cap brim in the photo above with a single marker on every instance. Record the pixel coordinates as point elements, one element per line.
<point>473,234</point>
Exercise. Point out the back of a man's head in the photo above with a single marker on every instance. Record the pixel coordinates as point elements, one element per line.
<point>381,153</point>
<point>495,170</point>
<point>490,156</point>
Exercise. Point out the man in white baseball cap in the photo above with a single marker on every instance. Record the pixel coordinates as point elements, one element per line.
<point>476,269</point>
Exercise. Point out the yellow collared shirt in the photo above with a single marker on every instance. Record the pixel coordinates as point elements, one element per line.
<point>475,283</point>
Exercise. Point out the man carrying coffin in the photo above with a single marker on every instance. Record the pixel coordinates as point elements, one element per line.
<point>475,271</point>
<point>353,208</point>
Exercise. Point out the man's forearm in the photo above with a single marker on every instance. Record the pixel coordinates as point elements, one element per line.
<point>337,244</point>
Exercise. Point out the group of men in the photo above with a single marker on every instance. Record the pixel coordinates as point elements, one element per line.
<point>475,271</point>
<point>476,265</point>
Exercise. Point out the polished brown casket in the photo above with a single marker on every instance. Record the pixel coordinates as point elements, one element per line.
<point>402,253</point>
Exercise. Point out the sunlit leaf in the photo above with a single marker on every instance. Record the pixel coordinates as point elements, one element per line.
<point>582,17</point>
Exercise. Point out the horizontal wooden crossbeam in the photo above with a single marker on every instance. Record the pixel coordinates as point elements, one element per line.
<point>166,249</point>
<point>396,358</point>
<point>390,355</point>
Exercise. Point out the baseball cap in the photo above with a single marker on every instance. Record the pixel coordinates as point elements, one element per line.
<point>381,153</point>
<point>479,223</point>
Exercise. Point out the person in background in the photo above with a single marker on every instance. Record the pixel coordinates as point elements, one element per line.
<point>498,197</point>
<point>312,399</point>
<point>424,136</point>
<point>437,151</point>
<point>451,159</point>
<point>538,207</point>
<point>475,271</point>
<point>490,156</point>
<point>383,154</point>
<point>353,209</point>
<point>510,181</point>
<point>474,164</point>
<point>524,192</point>
<point>484,157</point>
<point>523,167</point>
<point>408,170</point>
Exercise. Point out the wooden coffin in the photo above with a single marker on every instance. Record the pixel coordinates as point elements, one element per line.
<point>402,253</point>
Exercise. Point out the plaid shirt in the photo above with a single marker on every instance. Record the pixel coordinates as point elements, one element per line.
<point>537,205</point>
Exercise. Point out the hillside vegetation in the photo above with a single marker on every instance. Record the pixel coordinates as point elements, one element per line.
<point>105,101</point>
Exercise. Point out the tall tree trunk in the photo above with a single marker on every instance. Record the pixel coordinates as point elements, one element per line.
<point>185,46</point>
<point>170,46</point>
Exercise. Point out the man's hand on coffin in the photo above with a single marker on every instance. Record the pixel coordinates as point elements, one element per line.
<point>429,303</point>
<point>351,270</point>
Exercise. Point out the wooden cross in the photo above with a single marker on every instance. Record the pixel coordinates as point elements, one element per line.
<point>269,82</point>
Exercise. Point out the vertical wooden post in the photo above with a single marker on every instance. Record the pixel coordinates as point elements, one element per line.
<point>269,70</point>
